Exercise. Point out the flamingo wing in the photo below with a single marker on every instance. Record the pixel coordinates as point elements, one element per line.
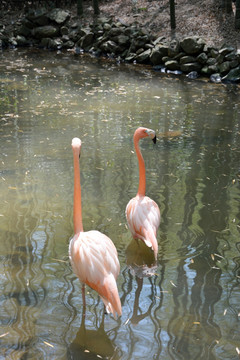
<point>94,260</point>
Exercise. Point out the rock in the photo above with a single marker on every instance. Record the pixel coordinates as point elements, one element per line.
<point>64,30</point>
<point>130,31</point>
<point>65,38</point>
<point>158,52</point>
<point>226,50</point>
<point>106,26</point>
<point>140,41</point>
<point>174,48</point>
<point>139,51</point>
<point>74,25</point>
<point>74,35</point>
<point>12,41</point>
<point>213,53</point>
<point>233,63</point>
<point>166,58</point>
<point>216,78</point>
<point>189,67</point>
<point>220,58</point>
<point>149,46</point>
<point>55,44</point>
<point>211,61</point>
<point>68,44</point>
<point>238,55</point>
<point>47,31</point>
<point>104,20</point>
<point>192,75</point>
<point>86,40</point>
<point>109,47</point>
<point>38,16</point>
<point>192,45</point>
<point>208,70</point>
<point>22,41</point>
<point>187,59</point>
<point>44,42</point>
<point>159,41</point>
<point>213,68</point>
<point>175,72</point>
<point>143,57</point>
<point>202,58</point>
<point>133,47</point>
<point>172,65</point>
<point>28,24</point>
<point>230,56</point>
<point>160,68</point>
<point>4,40</point>
<point>115,32</point>
<point>58,15</point>
<point>130,57</point>
<point>232,76</point>
<point>25,31</point>
<point>179,56</point>
<point>224,67</point>
<point>123,40</point>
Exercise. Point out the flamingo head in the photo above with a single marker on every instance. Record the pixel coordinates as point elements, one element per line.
<point>143,132</point>
<point>76,145</point>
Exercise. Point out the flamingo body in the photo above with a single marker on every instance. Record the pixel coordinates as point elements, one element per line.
<point>142,213</point>
<point>93,255</point>
<point>94,260</point>
<point>143,217</point>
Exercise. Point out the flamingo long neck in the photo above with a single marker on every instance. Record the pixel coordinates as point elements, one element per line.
<point>77,206</point>
<point>141,165</point>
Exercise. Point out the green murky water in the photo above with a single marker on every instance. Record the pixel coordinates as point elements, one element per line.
<point>189,307</point>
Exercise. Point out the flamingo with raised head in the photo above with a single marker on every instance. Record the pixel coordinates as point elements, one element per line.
<point>142,213</point>
<point>93,255</point>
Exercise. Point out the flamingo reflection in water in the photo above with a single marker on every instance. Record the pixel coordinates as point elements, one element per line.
<point>94,344</point>
<point>93,255</point>
<point>142,264</point>
<point>142,213</point>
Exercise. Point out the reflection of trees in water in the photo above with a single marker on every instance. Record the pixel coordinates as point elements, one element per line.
<point>233,299</point>
<point>192,328</point>
<point>22,291</point>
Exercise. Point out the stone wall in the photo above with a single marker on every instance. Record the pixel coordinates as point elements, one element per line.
<point>104,37</point>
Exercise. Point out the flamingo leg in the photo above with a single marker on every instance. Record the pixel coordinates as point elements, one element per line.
<point>83,297</point>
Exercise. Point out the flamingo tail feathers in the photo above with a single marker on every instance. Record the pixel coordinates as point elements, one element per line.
<point>151,241</point>
<point>109,294</point>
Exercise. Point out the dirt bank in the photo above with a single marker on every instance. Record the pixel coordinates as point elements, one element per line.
<point>205,18</point>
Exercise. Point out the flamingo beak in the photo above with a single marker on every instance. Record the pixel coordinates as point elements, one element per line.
<point>154,139</point>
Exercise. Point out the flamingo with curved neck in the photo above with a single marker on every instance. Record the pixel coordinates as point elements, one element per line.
<point>142,213</point>
<point>93,255</point>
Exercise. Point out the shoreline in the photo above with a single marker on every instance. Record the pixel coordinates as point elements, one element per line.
<point>58,29</point>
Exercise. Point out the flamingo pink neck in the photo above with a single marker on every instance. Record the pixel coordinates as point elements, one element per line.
<point>141,165</point>
<point>77,206</point>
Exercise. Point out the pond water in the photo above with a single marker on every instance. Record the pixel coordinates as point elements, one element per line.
<point>189,307</point>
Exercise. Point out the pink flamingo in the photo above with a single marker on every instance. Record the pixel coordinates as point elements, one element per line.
<point>142,213</point>
<point>92,254</point>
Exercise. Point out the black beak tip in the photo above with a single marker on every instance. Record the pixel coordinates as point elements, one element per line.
<point>154,139</point>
